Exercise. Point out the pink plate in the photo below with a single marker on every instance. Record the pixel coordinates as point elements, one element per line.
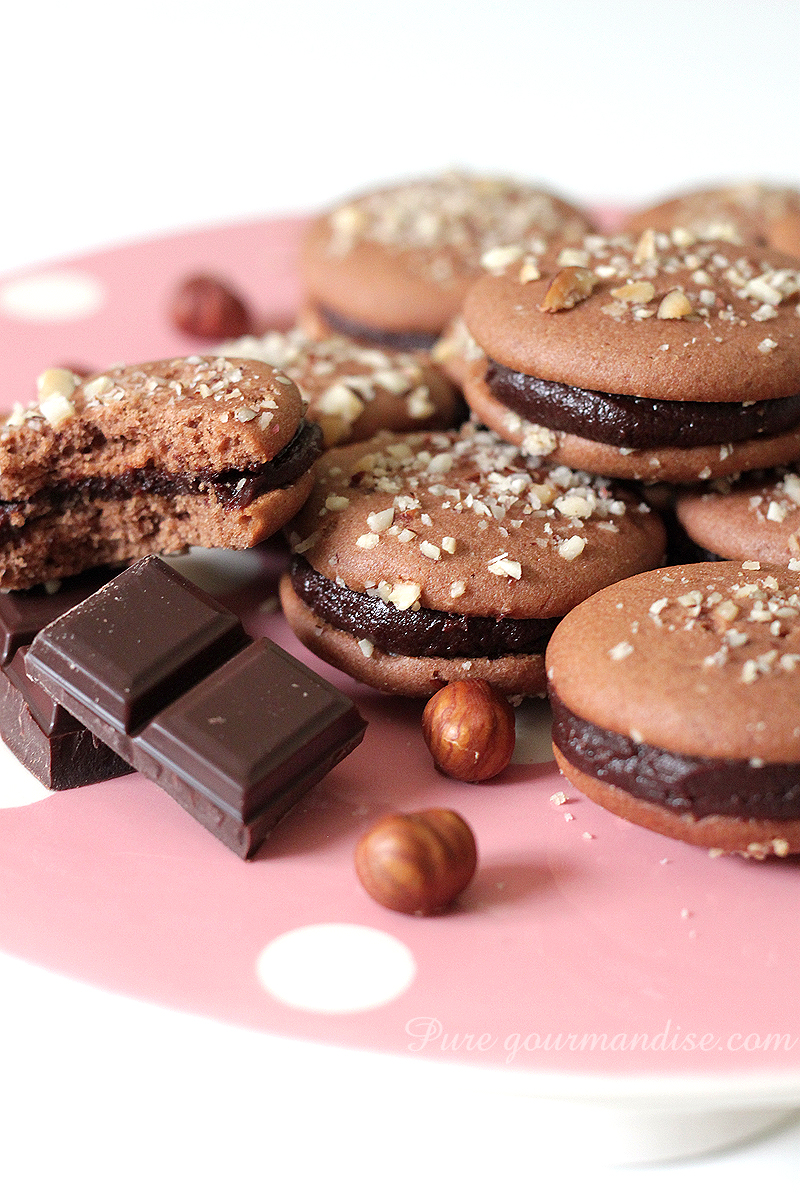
<point>593,956</point>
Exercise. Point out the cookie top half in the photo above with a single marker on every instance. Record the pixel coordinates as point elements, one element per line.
<point>402,257</point>
<point>662,316</point>
<point>196,414</point>
<point>460,521</point>
<point>353,391</point>
<point>743,212</point>
<point>754,517</point>
<point>701,660</point>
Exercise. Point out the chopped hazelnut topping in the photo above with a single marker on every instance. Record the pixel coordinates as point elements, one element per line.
<point>57,410</point>
<point>380,521</point>
<point>675,306</point>
<point>56,381</point>
<point>635,293</point>
<point>572,547</point>
<point>569,287</point>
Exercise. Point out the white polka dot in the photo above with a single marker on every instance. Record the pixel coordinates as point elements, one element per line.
<point>53,296</point>
<point>17,786</point>
<point>335,968</point>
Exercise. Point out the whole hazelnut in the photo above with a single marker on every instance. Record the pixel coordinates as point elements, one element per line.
<point>469,729</point>
<point>417,862</point>
<point>206,307</point>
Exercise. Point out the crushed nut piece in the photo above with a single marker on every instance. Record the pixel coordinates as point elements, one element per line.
<point>675,306</point>
<point>568,288</point>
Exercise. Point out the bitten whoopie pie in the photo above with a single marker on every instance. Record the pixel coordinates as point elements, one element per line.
<point>746,212</point>
<point>354,391</point>
<point>676,703</point>
<point>391,267</point>
<point>443,556</point>
<point>149,459</point>
<point>662,358</point>
<point>754,517</point>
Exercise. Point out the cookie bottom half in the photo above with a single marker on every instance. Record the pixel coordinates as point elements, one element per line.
<point>666,464</point>
<point>753,837</point>
<point>95,532</point>
<point>406,675</point>
<point>320,322</point>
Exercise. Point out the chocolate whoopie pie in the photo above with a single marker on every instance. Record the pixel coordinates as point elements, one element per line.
<point>444,556</point>
<point>354,391</point>
<point>746,212</point>
<point>391,267</point>
<point>754,517</point>
<point>149,459</point>
<point>663,358</point>
<point>676,703</point>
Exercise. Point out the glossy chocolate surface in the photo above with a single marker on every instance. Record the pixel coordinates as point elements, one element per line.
<point>424,633</point>
<point>682,783</point>
<point>635,422</point>
<point>235,730</point>
<point>24,613</point>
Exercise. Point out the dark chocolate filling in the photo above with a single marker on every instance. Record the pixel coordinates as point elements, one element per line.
<point>233,489</point>
<point>391,339</point>
<point>425,633</point>
<point>635,422</point>
<point>681,783</point>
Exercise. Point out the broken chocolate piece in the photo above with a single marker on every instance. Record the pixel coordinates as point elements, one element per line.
<point>48,740</point>
<point>235,730</point>
<point>24,613</point>
<point>54,747</point>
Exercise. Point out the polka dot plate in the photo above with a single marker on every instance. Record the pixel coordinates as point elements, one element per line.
<point>596,957</point>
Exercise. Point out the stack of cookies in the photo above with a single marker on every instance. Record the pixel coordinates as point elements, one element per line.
<point>443,537</point>
<point>662,362</point>
<point>430,557</point>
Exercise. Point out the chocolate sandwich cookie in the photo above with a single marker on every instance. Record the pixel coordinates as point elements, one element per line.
<point>391,267</point>
<point>352,390</point>
<point>745,212</point>
<point>676,703</point>
<point>149,459</point>
<point>445,556</point>
<point>663,358</point>
<point>757,516</point>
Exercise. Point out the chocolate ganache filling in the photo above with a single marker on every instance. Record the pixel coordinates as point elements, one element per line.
<point>390,338</point>
<point>425,633</point>
<point>682,783</point>
<point>233,489</point>
<point>635,422</point>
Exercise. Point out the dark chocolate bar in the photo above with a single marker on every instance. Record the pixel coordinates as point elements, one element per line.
<point>235,730</point>
<point>24,613</point>
<point>48,740</point>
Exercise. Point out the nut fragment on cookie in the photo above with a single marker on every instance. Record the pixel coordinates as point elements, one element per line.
<point>568,288</point>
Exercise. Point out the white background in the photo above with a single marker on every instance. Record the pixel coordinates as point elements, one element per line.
<point>122,121</point>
